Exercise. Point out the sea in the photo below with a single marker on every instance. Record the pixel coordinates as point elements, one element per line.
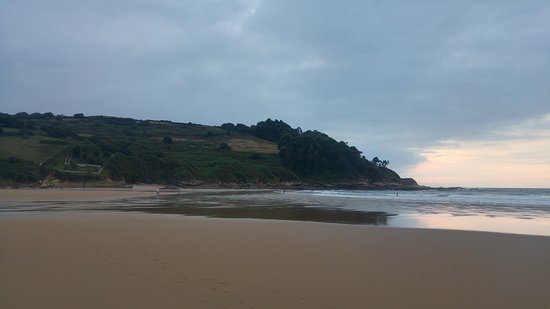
<point>520,211</point>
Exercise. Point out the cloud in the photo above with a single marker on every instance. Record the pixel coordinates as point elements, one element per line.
<point>390,77</point>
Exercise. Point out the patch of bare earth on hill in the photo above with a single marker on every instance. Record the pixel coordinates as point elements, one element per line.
<point>253,145</point>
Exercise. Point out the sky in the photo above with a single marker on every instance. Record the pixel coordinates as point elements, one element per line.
<point>452,93</point>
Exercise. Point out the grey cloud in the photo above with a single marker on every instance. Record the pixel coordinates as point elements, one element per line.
<point>386,76</point>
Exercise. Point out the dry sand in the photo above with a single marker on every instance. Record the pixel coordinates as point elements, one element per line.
<point>115,260</point>
<point>126,260</point>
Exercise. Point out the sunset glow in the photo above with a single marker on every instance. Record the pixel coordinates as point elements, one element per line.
<point>516,156</point>
<point>511,163</point>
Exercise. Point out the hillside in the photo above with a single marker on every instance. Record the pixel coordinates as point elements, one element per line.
<point>49,149</point>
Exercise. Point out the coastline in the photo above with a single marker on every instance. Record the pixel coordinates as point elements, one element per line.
<point>135,260</point>
<point>406,184</point>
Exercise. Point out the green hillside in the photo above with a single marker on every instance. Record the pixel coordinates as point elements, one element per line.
<point>100,150</point>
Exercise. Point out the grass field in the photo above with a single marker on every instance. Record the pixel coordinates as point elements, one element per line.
<point>32,148</point>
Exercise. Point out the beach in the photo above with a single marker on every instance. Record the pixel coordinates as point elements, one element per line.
<point>137,260</point>
<point>75,194</point>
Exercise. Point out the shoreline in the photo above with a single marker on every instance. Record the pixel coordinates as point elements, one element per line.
<point>301,185</point>
<point>264,204</point>
<point>138,260</point>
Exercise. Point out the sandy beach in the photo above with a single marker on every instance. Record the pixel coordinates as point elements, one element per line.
<point>131,260</point>
<point>75,194</point>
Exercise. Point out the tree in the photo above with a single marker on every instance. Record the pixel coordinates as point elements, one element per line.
<point>380,163</point>
<point>242,128</point>
<point>58,131</point>
<point>19,170</point>
<point>228,127</point>
<point>79,116</point>
<point>167,140</point>
<point>225,146</point>
<point>313,154</point>
<point>23,115</point>
<point>76,151</point>
<point>271,130</point>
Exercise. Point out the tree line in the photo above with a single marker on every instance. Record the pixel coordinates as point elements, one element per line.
<point>315,155</point>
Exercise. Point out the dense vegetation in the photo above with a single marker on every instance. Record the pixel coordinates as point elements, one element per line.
<point>315,155</point>
<point>18,170</point>
<point>99,149</point>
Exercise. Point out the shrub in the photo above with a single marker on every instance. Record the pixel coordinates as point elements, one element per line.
<point>19,170</point>
<point>167,140</point>
<point>225,146</point>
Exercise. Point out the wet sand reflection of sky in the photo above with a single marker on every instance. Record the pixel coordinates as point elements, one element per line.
<point>538,226</point>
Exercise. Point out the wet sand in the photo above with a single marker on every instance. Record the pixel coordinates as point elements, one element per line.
<point>128,260</point>
<point>72,194</point>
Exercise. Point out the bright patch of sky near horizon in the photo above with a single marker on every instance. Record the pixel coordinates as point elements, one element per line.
<point>451,93</point>
<point>521,158</point>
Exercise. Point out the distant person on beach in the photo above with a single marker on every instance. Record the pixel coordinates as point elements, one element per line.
<point>158,192</point>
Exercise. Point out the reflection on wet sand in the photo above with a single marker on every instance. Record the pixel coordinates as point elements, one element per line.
<point>220,206</point>
<point>538,226</point>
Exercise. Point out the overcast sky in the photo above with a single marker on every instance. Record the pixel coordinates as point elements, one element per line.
<point>424,84</point>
